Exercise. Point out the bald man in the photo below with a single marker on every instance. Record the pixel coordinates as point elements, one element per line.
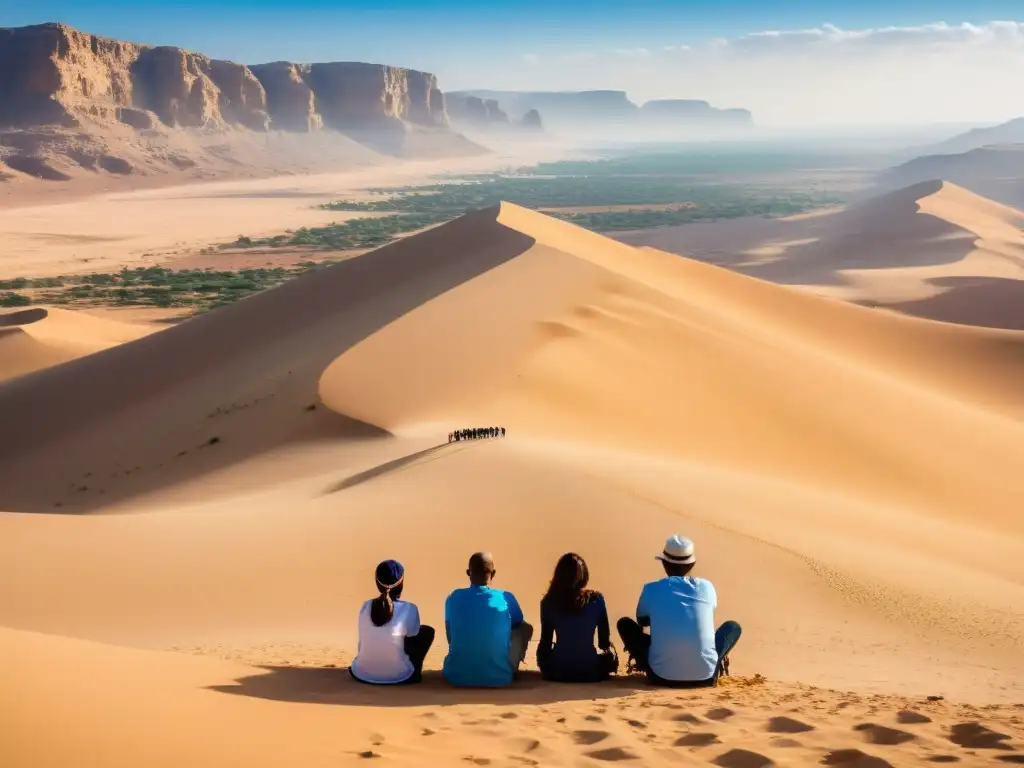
<point>487,636</point>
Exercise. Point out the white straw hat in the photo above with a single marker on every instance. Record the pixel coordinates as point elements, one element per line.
<point>678,551</point>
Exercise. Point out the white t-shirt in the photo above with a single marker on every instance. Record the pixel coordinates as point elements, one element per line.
<point>381,657</point>
<point>682,614</point>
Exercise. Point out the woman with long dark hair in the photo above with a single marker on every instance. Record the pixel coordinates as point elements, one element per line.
<point>570,615</point>
<point>392,642</point>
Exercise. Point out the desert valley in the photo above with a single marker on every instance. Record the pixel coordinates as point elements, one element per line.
<point>242,308</point>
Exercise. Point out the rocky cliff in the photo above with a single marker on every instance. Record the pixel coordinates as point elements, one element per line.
<point>51,74</point>
<point>568,108</point>
<point>596,110</point>
<point>474,112</point>
<point>693,113</point>
<point>531,121</point>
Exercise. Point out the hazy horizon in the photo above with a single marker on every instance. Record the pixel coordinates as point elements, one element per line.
<point>895,64</point>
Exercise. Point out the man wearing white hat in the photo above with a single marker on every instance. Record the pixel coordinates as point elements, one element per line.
<point>683,648</point>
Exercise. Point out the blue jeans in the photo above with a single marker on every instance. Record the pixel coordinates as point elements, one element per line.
<point>637,644</point>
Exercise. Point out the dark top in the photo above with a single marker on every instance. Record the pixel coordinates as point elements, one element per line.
<point>566,650</point>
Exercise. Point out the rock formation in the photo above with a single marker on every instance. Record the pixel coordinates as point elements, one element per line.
<point>51,74</point>
<point>55,75</point>
<point>291,102</point>
<point>474,112</point>
<point>531,121</point>
<point>692,113</point>
<point>72,100</point>
<point>594,110</point>
<point>568,108</point>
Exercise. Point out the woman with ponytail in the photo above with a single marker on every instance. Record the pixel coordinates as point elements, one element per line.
<point>392,642</point>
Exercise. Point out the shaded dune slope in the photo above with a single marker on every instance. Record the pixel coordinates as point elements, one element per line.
<point>507,316</point>
<point>32,339</point>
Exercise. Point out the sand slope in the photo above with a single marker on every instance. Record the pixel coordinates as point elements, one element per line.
<point>205,712</point>
<point>929,240</point>
<point>36,338</point>
<point>851,478</point>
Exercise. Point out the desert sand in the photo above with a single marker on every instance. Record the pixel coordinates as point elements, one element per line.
<point>932,250</point>
<point>39,337</point>
<point>45,235</point>
<point>192,519</point>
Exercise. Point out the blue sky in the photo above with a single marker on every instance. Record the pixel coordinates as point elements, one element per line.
<point>426,33</point>
<point>546,44</point>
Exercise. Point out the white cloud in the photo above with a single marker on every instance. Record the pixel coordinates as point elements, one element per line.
<point>831,36</point>
<point>825,74</point>
<point>530,58</point>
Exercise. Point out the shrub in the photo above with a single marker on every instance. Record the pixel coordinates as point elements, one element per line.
<point>12,299</point>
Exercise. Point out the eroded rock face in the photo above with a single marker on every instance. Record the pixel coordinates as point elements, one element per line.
<point>693,112</point>
<point>531,121</point>
<point>290,101</point>
<point>51,74</point>
<point>475,112</point>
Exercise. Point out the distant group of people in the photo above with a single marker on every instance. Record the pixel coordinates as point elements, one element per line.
<point>475,433</point>
<point>673,639</point>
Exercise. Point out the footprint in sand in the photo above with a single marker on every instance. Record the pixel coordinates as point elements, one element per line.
<point>742,758</point>
<point>786,743</point>
<point>719,714</point>
<point>943,759</point>
<point>880,734</point>
<point>696,740</point>
<point>612,754</point>
<point>686,717</point>
<point>977,736</point>
<point>910,717</point>
<point>854,758</point>
<point>788,725</point>
<point>589,737</point>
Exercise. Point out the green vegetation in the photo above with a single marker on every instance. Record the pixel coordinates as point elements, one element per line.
<point>737,160</point>
<point>631,198</point>
<point>11,299</point>
<point>347,235</point>
<point>151,286</point>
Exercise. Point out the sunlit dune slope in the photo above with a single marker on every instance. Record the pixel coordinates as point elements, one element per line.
<point>509,316</point>
<point>36,338</point>
<point>929,240</point>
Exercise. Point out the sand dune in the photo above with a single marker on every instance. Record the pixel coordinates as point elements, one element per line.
<point>851,478</point>
<point>206,712</point>
<point>36,338</point>
<point>901,249</point>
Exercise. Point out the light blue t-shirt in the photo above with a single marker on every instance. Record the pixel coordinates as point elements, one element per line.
<point>480,621</point>
<point>682,615</point>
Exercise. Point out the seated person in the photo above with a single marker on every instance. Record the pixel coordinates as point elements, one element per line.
<point>570,614</point>
<point>683,648</point>
<point>487,636</point>
<point>392,642</point>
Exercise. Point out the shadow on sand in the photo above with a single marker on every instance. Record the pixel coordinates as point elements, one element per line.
<point>335,686</point>
<point>396,465</point>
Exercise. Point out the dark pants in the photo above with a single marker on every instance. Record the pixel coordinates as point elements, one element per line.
<point>637,644</point>
<point>604,665</point>
<point>416,648</point>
